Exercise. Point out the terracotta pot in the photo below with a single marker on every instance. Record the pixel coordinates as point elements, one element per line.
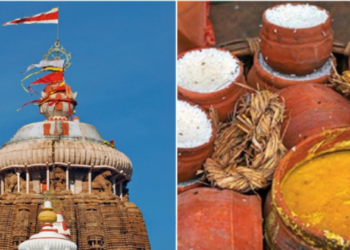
<point>190,160</point>
<point>211,219</point>
<point>195,183</point>
<point>284,230</point>
<point>255,81</point>
<point>194,28</point>
<point>296,51</point>
<point>311,109</point>
<point>223,100</point>
<point>258,76</point>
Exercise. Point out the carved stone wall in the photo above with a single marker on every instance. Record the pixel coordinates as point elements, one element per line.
<point>11,183</point>
<point>137,225</point>
<point>24,222</point>
<point>58,179</point>
<point>100,183</point>
<point>96,222</point>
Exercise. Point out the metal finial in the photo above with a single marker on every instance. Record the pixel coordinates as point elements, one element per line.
<point>57,52</point>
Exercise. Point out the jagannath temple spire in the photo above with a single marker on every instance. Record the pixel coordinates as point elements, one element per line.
<point>67,163</point>
<point>57,101</point>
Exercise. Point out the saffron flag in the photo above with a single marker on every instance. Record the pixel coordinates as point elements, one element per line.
<point>49,78</point>
<point>42,70</point>
<point>47,63</point>
<point>44,17</point>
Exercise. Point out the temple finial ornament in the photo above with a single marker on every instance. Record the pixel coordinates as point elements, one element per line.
<point>49,237</point>
<point>57,52</point>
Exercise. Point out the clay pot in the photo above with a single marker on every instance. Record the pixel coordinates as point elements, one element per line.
<point>284,230</point>
<point>255,81</point>
<point>195,183</point>
<point>259,77</point>
<point>210,219</point>
<point>311,109</point>
<point>222,100</point>
<point>190,160</point>
<point>194,28</point>
<point>296,51</point>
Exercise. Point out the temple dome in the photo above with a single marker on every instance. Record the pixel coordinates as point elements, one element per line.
<point>64,143</point>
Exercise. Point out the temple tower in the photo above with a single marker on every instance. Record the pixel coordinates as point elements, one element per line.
<point>67,161</point>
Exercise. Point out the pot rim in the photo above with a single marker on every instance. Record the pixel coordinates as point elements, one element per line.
<point>212,137</point>
<point>239,78</point>
<point>328,141</point>
<point>262,73</point>
<point>191,184</point>
<point>308,29</point>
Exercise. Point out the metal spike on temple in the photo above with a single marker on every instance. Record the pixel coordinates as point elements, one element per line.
<point>67,162</point>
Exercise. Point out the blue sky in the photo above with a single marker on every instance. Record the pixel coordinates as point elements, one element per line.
<point>123,56</point>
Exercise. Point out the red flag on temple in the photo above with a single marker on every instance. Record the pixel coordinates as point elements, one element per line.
<point>44,17</point>
<point>49,78</point>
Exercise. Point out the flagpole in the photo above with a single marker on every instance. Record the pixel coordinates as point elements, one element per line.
<point>57,23</point>
<point>57,31</point>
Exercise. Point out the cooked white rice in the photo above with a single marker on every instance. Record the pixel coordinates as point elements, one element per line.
<point>193,126</point>
<point>207,70</point>
<point>296,16</point>
<point>324,70</point>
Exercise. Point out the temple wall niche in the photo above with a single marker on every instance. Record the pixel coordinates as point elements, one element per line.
<point>58,179</point>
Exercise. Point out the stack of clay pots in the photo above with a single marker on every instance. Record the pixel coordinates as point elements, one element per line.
<point>195,143</point>
<point>209,218</point>
<point>295,47</point>
<point>210,77</point>
<point>294,60</point>
<point>206,77</point>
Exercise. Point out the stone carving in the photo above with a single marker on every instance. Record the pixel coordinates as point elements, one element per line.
<point>31,187</point>
<point>95,222</point>
<point>58,179</point>
<point>93,226</point>
<point>11,183</point>
<point>126,198</point>
<point>125,194</point>
<point>22,219</point>
<point>21,226</point>
<point>101,183</point>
